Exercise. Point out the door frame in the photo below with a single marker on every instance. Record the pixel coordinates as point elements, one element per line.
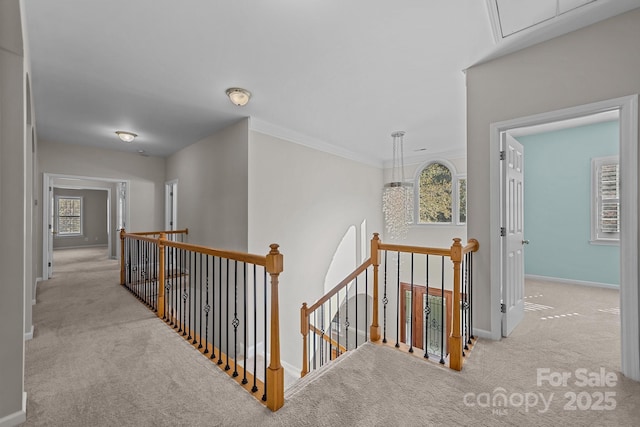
<point>48,181</point>
<point>629,302</point>
<point>170,204</point>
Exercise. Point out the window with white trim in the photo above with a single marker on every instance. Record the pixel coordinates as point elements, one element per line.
<point>69,215</point>
<point>442,195</point>
<point>605,200</point>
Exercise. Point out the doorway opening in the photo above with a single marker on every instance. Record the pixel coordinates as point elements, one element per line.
<point>628,131</point>
<point>115,214</point>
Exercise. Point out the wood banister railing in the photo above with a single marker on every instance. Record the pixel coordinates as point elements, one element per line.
<point>170,277</point>
<point>458,309</point>
<point>158,233</point>
<point>340,285</point>
<point>328,339</point>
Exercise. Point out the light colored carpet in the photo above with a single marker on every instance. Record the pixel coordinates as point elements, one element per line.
<point>99,357</point>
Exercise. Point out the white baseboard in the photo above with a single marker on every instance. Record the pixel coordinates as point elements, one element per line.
<point>16,418</point>
<point>259,346</point>
<point>295,370</point>
<point>35,290</point>
<point>481,333</point>
<point>571,281</point>
<point>29,335</point>
<point>80,247</point>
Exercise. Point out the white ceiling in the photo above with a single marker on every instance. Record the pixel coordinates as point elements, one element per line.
<point>341,75</point>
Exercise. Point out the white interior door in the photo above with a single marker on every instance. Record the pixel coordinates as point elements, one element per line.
<point>513,233</point>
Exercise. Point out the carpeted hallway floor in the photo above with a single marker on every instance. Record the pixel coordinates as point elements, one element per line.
<point>100,358</point>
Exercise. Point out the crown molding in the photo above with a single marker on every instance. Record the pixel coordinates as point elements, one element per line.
<point>270,129</point>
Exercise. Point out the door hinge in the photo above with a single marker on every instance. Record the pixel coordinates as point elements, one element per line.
<point>503,155</point>
<point>49,226</point>
<point>49,264</point>
<point>503,308</point>
<point>503,231</point>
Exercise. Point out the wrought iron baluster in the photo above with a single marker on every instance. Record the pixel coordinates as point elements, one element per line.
<point>411,300</point>
<point>464,306</point>
<point>471,295</point>
<point>219,311</point>
<point>338,326</point>
<point>346,317</point>
<point>185,295</point>
<point>322,355</point>
<point>227,367</point>
<point>427,309</point>
<point>266,337</point>
<point>398,303</point>
<point>190,282</point>
<point>178,289</point>
<point>330,333</point>
<point>366,304</point>
<point>200,311</point>
<point>385,301</point>
<point>236,322</point>
<point>170,279</point>
<point>255,330</point>
<point>315,337</point>
<point>244,269</point>
<point>442,310</point>
<point>207,309</point>
<point>214,307</point>
<point>356,302</point>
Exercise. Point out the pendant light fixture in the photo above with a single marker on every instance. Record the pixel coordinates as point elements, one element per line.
<point>397,198</point>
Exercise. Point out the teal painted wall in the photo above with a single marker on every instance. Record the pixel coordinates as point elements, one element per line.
<point>557,208</point>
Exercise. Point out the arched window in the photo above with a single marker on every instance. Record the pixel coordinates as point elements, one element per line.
<point>442,196</point>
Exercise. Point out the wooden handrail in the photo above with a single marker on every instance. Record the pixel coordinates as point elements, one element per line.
<point>350,278</point>
<point>456,253</point>
<point>327,338</point>
<point>157,233</point>
<point>273,264</point>
<point>414,249</point>
<point>237,256</point>
<point>234,255</point>
<point>472,246</point>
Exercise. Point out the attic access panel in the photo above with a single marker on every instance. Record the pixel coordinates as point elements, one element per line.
<point>518,15</point>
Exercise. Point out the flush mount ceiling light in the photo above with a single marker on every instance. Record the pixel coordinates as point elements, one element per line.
<point>238,96</point>
<point>126,136</point>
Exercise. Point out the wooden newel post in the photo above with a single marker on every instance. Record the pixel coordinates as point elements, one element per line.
<point>163,238</point>
<point>275,371</point>
<point>455,340</point>
<point>304,330</point>
<point>374,330</point>
<point>122,260</point>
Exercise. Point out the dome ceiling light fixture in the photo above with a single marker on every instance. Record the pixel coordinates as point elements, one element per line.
<point>238,96</point>
<point>126,136</point>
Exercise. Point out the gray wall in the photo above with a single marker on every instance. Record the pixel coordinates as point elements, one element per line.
<point>145,174</point>
<point>94,219</point>
<point>12,214</point>
<point>592,64</point>
<point>212,188</point>
<point>306,201</point>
